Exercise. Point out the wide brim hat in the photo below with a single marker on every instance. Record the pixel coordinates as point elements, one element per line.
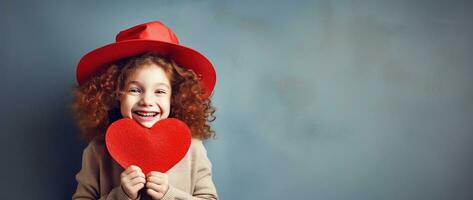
<point>148,37</point>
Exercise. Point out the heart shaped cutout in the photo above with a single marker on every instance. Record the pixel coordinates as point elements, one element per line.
<point>158,148</point>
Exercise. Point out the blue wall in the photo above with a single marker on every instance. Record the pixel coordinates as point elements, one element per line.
<point>327,100</point>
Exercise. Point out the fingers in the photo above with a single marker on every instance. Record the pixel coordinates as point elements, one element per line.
<point>156,187</point>
<point>132,180</point>
<point>157,184</point>
<point>138,187</point>
<point>157,177</point>
<point>137,180</point>
<point>155,173</point>
<point>131,169</point>
<point>135,174</point>
<point>132,172</point>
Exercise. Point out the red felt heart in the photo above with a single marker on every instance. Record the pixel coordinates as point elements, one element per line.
<point>157,148</point>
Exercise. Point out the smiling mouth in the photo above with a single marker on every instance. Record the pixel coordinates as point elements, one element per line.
<point>146,114</point>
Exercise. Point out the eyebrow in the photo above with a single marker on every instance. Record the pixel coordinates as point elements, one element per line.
<point>159,83</point>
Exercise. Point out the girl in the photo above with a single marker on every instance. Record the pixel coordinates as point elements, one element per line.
<point>146,76</point>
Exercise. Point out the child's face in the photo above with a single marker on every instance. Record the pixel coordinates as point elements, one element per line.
<point>147,96</point>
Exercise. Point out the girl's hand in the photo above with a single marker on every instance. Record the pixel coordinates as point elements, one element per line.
<point>132,180</point>
<point>157,184</point>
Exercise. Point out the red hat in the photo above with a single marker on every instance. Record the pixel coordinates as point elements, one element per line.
<point>151,36</point>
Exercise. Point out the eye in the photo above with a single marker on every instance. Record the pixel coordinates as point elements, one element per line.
<point>134,90</point>
<point>160,92</point>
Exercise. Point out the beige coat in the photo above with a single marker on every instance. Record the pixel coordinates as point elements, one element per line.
<point>99,177</point>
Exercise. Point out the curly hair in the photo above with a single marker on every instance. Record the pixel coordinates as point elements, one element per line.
<point>96,102</point>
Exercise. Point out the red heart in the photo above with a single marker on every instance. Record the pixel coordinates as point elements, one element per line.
<point>156,149</point>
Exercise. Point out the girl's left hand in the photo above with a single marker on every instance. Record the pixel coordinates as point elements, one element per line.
<point>157,184</point>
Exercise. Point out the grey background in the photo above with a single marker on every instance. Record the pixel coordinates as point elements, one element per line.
<point>316,99</point>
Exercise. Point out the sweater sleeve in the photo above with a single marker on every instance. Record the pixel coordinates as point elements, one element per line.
<point>88,187</point>
<point>204,186</point>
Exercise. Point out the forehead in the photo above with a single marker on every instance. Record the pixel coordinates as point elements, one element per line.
<point>149,73</point>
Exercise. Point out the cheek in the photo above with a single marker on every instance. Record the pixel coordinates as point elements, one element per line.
<point>166,106</point>
<point>125,106</point>
<point>123,110</point>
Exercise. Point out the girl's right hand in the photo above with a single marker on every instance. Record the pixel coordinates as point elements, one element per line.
<point>132,180</point>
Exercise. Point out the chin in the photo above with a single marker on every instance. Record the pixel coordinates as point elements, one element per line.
<point>148,125</point>
<point>145,124</point>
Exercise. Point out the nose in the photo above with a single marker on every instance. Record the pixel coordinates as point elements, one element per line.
<point>147,99</point>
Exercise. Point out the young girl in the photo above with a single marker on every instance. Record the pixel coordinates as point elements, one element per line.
<point>146,76</point>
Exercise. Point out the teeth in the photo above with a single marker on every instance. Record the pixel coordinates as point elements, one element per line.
<point>146,114</point>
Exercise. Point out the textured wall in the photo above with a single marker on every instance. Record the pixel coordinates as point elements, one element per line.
<point>316,99</point>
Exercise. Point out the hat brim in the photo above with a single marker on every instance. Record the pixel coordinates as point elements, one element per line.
<point>183,56</point>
